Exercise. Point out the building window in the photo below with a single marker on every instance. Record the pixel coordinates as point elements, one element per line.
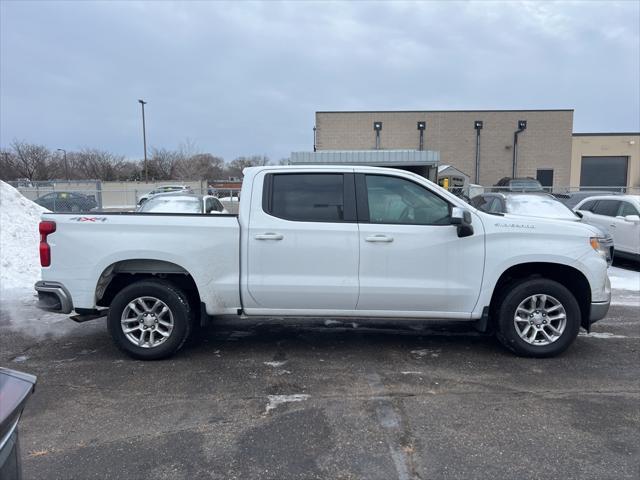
<point>603,171</point>
<point>545,176</point>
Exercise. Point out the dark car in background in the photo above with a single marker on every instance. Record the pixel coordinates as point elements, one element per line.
<point>571,199</point>
<point>15,390</point>
<point>67,202</point>
<point>524,184</point>
<point>535,204</point>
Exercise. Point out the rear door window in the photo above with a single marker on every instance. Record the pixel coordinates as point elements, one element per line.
<point>627,209</point>
<point>608,208</point>
<point>306,197</point>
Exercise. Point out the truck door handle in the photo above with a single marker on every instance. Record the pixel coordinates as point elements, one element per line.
<point>379,239</point>
<point>613,225</point>
<point>269,236</point>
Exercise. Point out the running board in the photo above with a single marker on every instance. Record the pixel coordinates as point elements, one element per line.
<point>89,315</point>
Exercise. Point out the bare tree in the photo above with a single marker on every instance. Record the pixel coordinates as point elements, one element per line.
<point>202,166</point>
<point>163,164</point>
<point>7,166</point>
<point>37,162</point>
<point>96,164</point>
<point>236,166</point>
<point>32,161</point>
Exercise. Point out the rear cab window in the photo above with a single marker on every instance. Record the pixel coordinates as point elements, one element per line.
<point>310,197</point>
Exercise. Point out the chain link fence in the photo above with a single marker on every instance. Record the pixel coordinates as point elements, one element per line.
<point>93,195</point>
<point>471,190</point>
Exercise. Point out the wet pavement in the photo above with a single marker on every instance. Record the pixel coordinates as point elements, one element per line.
<point>317,399</point>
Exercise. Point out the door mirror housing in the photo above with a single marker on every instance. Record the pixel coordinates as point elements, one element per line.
<point>461,217</point>
<point>632,218</point>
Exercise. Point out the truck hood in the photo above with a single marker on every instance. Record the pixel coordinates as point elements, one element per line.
<point>557,225</point>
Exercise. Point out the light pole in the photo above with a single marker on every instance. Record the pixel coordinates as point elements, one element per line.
<point>66,165</point>
<point>144,139</point>
<point>522,126</point>
<point>478,124</point>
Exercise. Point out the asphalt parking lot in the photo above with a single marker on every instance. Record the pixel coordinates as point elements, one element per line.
<point>329,400</point>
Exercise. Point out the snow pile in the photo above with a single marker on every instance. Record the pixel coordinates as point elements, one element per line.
<point>19,239</point>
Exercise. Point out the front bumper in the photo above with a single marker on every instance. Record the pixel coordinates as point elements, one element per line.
<point>598,311</point>
<point>53,297</point>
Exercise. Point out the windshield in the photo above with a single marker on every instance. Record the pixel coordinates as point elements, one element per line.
<point>538,206</point>
<point>525,184</point>
<point>173,205</point>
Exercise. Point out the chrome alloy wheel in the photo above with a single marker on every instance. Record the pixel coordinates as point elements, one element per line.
<point>147,322</point>
<point>540,319</point>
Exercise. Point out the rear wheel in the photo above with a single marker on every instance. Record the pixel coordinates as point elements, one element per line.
<point>538,318</point>
<point>149,319</point>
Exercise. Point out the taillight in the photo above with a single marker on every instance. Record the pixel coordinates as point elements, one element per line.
<point>45,228</point>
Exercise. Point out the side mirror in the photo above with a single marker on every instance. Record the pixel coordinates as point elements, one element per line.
<point>579,214</point>
<point>462,218</point>
<point>632,218</point>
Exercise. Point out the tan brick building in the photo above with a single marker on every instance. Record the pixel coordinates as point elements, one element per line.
<point>544,145</point>
<point>606,158</point>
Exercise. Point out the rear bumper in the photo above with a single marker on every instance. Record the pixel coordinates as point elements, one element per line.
<point>53,297</point>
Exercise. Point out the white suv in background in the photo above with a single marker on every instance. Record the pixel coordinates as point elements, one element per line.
<point>620,216</point>
<point>164,189</point>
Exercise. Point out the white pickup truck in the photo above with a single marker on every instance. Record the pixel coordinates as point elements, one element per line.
<point>327,241</point>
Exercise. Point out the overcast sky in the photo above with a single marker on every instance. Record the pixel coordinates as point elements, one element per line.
<point>246,78</point>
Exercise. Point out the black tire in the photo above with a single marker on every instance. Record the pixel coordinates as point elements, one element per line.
<point>179,308</point>
<point>517,293</point>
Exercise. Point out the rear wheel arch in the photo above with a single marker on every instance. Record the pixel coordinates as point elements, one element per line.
<point>120,275</point>
<point>570,277</point>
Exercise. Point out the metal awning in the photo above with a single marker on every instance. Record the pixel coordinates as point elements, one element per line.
<point>382,158</point>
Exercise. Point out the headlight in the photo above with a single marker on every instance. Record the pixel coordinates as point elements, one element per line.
<point>597,246</point>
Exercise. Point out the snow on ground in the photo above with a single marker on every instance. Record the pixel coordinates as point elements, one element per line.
<point>19,239</point>
<point>622,279</point>
<point>625,286</point>
<point>275,400</point>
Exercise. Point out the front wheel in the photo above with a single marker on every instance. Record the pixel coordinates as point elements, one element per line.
<point>149,319</point>
<point>538,318</point>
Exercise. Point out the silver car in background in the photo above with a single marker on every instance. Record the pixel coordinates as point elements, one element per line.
<point>182,203</point>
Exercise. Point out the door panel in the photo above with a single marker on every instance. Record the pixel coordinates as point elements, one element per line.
<point>627,237</point>
<point>422,265</point>
<point>295,264</point>
<point>604,216</point>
